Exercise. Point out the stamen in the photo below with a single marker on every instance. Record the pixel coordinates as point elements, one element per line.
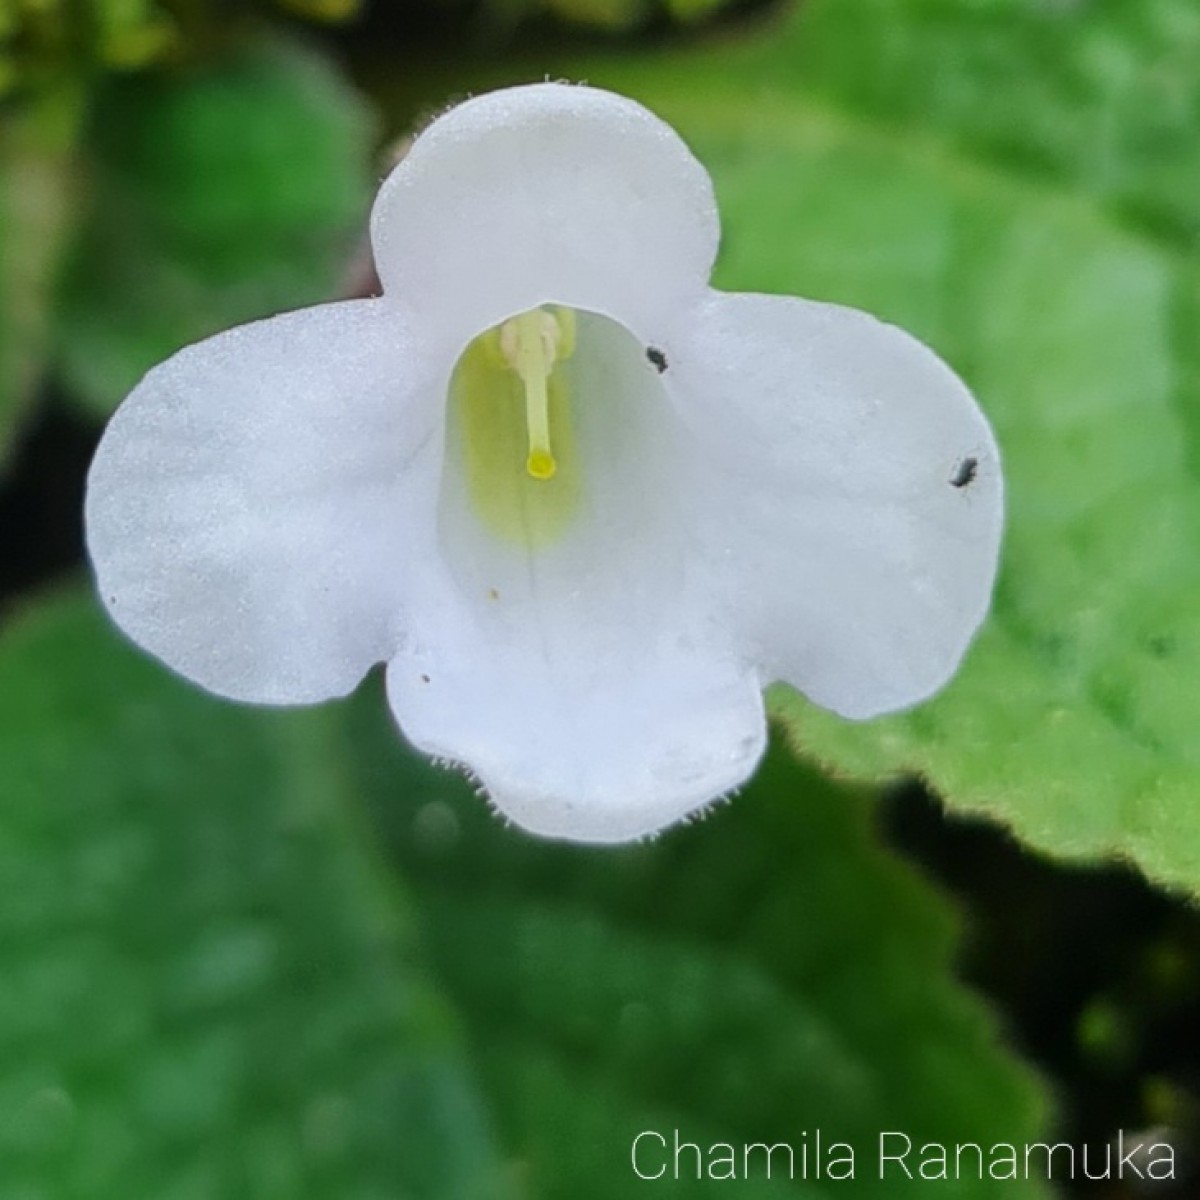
<point>531,343</point>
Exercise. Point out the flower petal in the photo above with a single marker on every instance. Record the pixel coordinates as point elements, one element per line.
<point>245,508</point>
<point>499,207</point>
<point>609,740</point>
<point>853,494</point>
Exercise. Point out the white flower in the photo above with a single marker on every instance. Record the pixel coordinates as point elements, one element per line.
<point>582,505</point>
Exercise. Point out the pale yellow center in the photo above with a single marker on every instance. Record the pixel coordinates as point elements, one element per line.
<point>512,426</point>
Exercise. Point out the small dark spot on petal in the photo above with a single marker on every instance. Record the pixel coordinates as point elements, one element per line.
<point>657,358</point>
<point>493,594</point>
<point>424,678</point>
<point>965,472</point>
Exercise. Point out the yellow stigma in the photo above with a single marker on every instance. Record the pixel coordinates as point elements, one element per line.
<point>531,344</point>
<point>540,463</point>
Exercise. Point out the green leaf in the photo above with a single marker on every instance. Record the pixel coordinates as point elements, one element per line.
<point>1101,97</point>
<point>220,194</point>
<point>208,989</point>
<point>1019,185</point>
<point>36,209</point>
<point>759,976</point>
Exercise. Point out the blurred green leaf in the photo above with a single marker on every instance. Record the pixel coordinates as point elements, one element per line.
<point>219,195</point>
<point>694,10</point>
<point>759,976</point>
<point>1103,97</point>
<point>36,208</point>
<point>607,16</point>
<point>612,15</point>
<point>1018,183</point>
<point>325,11</point>
<point>209,990</point>
<point>130,33</point>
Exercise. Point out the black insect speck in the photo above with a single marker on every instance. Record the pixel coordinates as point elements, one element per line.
<point>657,358</point>
<point>964,473</point>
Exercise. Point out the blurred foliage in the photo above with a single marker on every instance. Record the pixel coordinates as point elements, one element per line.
<point>212,988</point>
<point>45,42</point>
<point>613,15</point>
<point>217,195</point>
<point>141,211</point>
<point>37,208</point>
<point>48,43</point>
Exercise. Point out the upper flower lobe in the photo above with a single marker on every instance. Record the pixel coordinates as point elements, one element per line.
<point>732,489</point>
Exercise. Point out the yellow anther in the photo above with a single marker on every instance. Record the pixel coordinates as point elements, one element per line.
<point>532,343</point>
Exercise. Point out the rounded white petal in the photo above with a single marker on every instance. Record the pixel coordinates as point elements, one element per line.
<point>582,743</point>
<point>576,676</point>
<point>854,498</point>
<point>245,509</point>
<point>545,193</point>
